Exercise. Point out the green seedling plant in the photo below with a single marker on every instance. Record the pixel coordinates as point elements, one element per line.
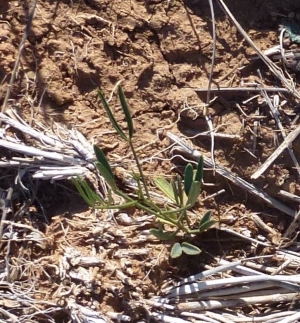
<point>182,193</point>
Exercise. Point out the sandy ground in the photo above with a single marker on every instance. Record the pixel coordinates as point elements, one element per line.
<point>161,51</point>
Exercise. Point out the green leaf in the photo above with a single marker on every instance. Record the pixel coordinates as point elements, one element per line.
<point>107,176</point>
<point>126,111</point>
<point>162,235</point>
<point>190,249</point>
<point>176,250</point>
<point>81,191</point>
<point>162,184</point>
<point>206,217</point>
<point>206,222</point>
<point>102,159</point>
<point>179,190</point>
<point>194,193</point>
<point>175,192</point>
<point>90,197</point>
<point>111,117</point>
<point>188,178</point>
<point>199,172</point>
<point>173,216</point>
<point>206,225</point>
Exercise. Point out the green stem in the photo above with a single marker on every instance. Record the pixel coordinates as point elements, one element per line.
<point>153,209</point>
<point>184,208</point>
<point>139,168</point>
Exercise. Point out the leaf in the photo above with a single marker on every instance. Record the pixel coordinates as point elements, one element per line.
<point>199,172</point>
<point>102,159</point>
<point>90,197</point>
<point>173,216</point>
<point>176,250</point>
<point>162,184</point>
<point>179,190</point>
<point>76,182</point>
<point>126,111</point>
<point>188,178</point>
<point>161,235</point>
<point>190,249</point>
<point>174,184</point>
<point>206,222</point>
<point>194,193</point>
<point>111,117</point>
<point>107,176</point>
<point>206,217</point>
<point>207,225</point>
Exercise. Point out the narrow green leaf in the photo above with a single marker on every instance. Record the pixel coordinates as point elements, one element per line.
<point>161,235</point>
<point>190,249</point>
<point>111,116</point>
<point>199,172</point>
<point>206,217</point>
<point>107,176</point>
<point>173,216</point>
<point>206,225</point>
<point>188,178</point>
<point>175,191</point>
<point>162,184</point>
<point>90,197</point>
<point>176,250</point>
<point>102,159</point>
<point>126,111</point>
<point>180,192</point>
<point>79,188</point>
<point>194,193</point>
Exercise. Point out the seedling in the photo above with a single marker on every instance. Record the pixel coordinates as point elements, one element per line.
<point>181,192</point>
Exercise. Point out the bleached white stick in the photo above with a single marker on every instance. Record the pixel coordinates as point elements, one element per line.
<point>239,302</point>
<point>284,145</point>
<point>31,151</point>
<point>30,131</point>
<point>250,188</point>
<point>219,283</point>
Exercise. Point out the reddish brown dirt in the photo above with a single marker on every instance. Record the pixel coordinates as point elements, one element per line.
<point>161,51</point>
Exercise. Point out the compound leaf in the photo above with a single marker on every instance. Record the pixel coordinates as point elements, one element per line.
<point>176,250</point>
<point>190,249</point>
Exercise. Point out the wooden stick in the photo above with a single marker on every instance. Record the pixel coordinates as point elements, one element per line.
<point>276,114</point>
<point>273,68</point>
<point>285,144</point>
<point>288,195</point>
<point>242,89</point>
<point>250,188</point>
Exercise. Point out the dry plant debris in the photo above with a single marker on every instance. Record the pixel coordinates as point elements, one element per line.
<point>190,72</point>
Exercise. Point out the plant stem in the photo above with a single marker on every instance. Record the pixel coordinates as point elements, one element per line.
<point>139,168</point>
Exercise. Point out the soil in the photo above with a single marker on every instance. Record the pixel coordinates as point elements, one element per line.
<point>162,52</point>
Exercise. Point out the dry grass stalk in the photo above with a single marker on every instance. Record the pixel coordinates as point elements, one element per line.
<point>288,195</point>
<point>276,114</point>
<point>58,156</point>
<point>213,293</point>
<point>232,177</point>
<point>284,145</point>
<point>243,90</point>
<point>273,68</point>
